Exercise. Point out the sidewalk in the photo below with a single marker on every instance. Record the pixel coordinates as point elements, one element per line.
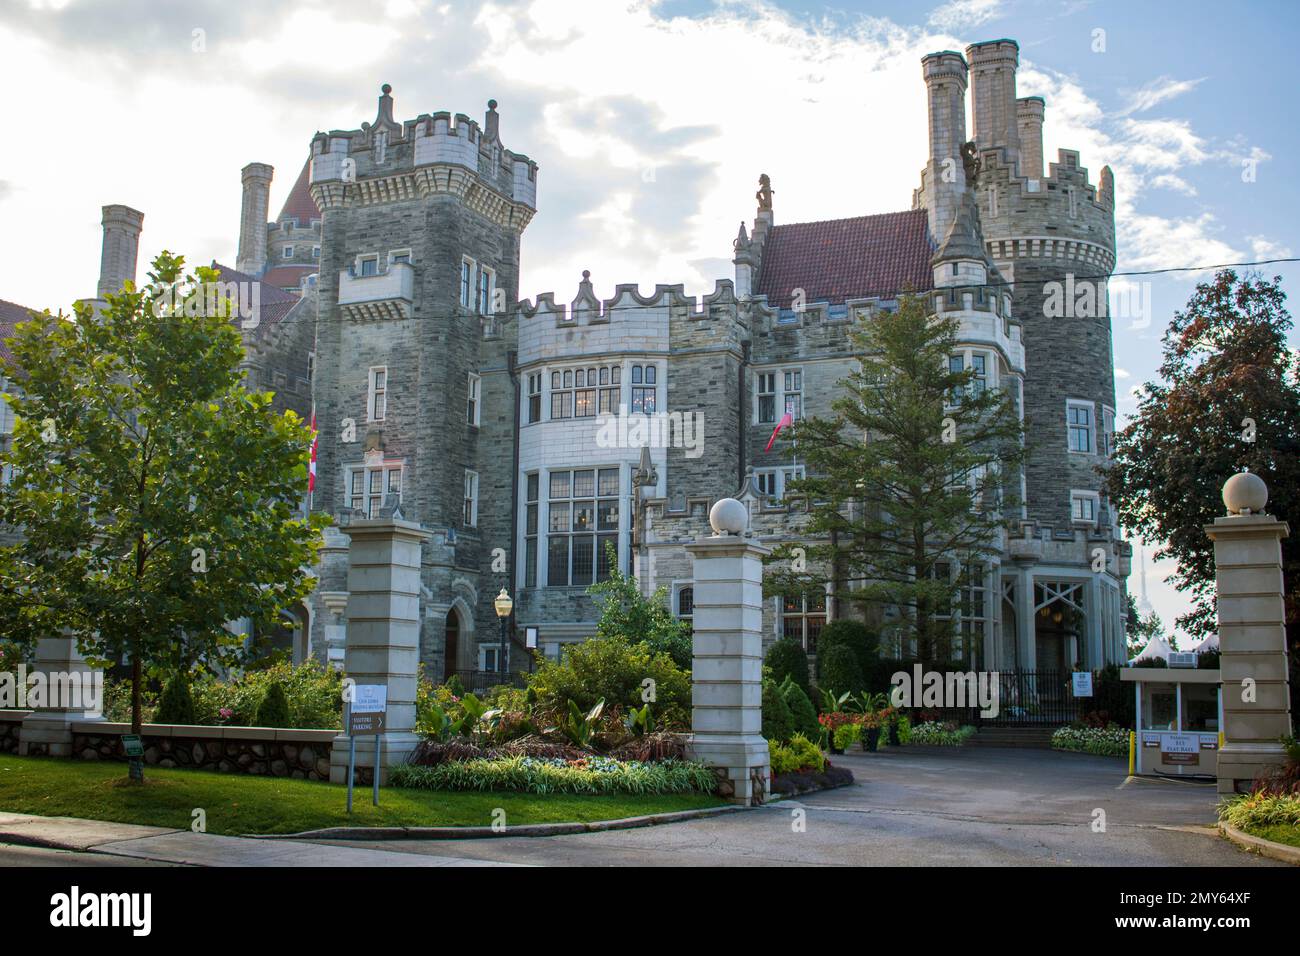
<point>199,849</point>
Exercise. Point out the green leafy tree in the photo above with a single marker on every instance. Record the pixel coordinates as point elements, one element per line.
<point>908,477</point>
<point>1143,628</point>
<point>1228,400</point>
<point>627,614</point>
<point>153,498</point>
<point>786,658</point>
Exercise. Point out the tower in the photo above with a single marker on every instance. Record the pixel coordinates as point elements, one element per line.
<point>415,391</point>
<point>254,206</point>
<point>943,182</point>
<point>117,261</point>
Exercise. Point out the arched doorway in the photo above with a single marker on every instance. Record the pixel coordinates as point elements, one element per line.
<point>451,645</point>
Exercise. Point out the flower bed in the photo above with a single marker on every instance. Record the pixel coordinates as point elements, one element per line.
<point>1109,741</point>
<point>936,733</point>
<point>543,775</point>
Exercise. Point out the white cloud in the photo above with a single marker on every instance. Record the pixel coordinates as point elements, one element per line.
<point>1261,247</point>
<point>1122,372</point>
<point>958,15</point>
<point>1174,182</point>
<point>1156,92</point>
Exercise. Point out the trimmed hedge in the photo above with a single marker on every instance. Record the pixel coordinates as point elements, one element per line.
<point>787,659</point>
<point>802,712</point>
<point>778,722</point>
<point>839,671</point>
<point>852,634</point>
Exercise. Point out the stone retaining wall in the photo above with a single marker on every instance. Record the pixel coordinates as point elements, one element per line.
<point>262,751</point>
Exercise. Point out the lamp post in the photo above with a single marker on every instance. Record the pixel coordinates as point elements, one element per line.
<point>504,606</point>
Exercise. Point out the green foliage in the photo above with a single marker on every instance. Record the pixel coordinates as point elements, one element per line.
<point>888,514</point>
<point>612,670</point>
<point>156,498</point>
<point>1226,359</point>
<point>937,733</point>
<point>1110,741</point>
<point>786,658</point>
<point>852,634</point>
<point>846,735</point>
<point>808,755</point>
<point>639,722</point>
<point>455,686</point>
<point>628,615</point>
<point>839,670</point>
<point>532,775</point>
<point>778,721</point>
<point>1261,809</point>
<point>802,712</point>
<point>117,702</point>
<point>1113,698</point>
<point>580,728</point>
<point>314,695</point>
<point>177,704</point>
<point>274,709</point>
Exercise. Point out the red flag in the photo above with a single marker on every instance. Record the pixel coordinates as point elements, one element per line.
<point>785,420</point>
<point>311,468</point>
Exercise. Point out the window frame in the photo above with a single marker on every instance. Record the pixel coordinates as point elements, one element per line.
<point>1083,494</point>
<point>473,399</point>
<point>471,497</point>
<point>770,384</point>
<point>468,281</point>
<point>377,390</point>
<point>371,501</point>
<point>595,535</point>
<point>1071,427</point>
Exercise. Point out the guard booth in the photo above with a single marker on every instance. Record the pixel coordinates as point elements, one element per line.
<point>1179,718</point>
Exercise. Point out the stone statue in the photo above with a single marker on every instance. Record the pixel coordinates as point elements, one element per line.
<point>764,194</point>
<point>971,162</point>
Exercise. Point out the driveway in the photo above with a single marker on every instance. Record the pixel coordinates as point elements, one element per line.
<point>948,807</point>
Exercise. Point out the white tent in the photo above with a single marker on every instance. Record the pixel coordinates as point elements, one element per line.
<point>1157,647</point>
<point>1211,643</point>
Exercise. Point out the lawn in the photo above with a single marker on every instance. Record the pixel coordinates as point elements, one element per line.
<point>1277,832</point>
<point>237,804</point>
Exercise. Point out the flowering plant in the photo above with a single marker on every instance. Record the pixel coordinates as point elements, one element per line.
<point>836,719</point>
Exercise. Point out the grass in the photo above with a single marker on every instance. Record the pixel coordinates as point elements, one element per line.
<point>237,804</point>
<point>1277,832</point>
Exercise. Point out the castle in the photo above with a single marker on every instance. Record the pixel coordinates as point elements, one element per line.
<point>391,308</point>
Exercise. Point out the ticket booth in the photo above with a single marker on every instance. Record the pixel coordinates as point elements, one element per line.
<point>1179,718</point>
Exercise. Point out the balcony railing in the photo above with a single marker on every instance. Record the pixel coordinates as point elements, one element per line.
<point>385,295</point>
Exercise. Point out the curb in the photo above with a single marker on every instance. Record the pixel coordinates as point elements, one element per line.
<point>474,833</point>
<point>1278,851</point>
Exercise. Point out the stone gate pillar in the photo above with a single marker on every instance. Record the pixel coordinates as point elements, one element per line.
<point>383,633</point>
<point>727,664</point>
<point>1252,638</point>
<point>70,685</point>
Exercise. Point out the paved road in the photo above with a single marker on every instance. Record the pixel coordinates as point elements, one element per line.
<point>960,807</point>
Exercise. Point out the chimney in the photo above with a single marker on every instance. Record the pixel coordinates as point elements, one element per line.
<point>1029,123</point>
<point>993,95</point>
<point>945,174</point>
<point>122,226</point>
<point>253,213</point>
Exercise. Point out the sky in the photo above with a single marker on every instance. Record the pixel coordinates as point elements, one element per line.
<point>651,122</point>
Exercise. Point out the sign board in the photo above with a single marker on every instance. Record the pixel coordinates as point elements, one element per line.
<point>1082,683</point>
<point>530,638</point>
<point>369,705</point>
<point>1179,748</point>
<point>132,745</point>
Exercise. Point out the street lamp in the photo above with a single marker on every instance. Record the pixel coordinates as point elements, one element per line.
<point>504,606</point>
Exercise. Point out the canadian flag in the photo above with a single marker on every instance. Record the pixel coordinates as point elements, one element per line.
<point>785,420</point>
<point>311,467</point>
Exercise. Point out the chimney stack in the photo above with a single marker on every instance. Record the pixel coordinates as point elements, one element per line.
<point>945,174</point>
<point>122,226</point>
<point>993,95</point>
<point>1029,120</point>
<point>253,213</point>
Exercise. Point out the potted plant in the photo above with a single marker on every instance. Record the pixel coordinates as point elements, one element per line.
<point>846,735</point>
<point>831,722</point>
<point>871,722</point>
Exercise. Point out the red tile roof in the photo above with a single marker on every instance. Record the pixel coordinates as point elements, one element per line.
<point>275,302</point>
<point>300,205</point>
<point>11,313</point>
<point>840,259</point>
<point>284,276</point>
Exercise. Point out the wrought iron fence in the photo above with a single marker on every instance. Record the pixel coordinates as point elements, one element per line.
<point>477,682</point>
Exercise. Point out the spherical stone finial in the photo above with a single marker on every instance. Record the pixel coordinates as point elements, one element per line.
<point>586,275</point>
<point>728,516</point>
<point>1245,494</point>
<point>492,104</point>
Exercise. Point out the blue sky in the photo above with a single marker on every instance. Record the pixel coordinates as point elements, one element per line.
<point>650,121</point>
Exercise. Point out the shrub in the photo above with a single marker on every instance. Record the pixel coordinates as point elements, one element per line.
<point>936,733</point>
<point>274,709</point>
<point>314,694</point>
<point>839,671</point>
<point>1109,741</point>
<point>1113,697</point>
<point>787,659</point>
<point>177,703</point>
<point>846,735</point>
<point>454,685</point>
<point>612,669</point>
<point>778,722</point>
<point>626,614</point>
<point>854,635</point>
<point>810,756</point>
<point>802,712</point>
<point>1261,810</point>
<point>595,775</point>
<point>117,702</point>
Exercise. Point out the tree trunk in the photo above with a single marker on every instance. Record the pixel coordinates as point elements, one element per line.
<point>136,679</point>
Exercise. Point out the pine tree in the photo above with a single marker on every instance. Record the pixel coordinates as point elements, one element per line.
<point>909,477</point>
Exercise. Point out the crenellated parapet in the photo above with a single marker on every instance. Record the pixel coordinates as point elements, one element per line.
<point>433,154</point>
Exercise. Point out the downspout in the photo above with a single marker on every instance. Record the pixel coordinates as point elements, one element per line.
<point>513,372</point>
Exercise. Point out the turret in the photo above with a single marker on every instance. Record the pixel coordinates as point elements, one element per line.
<point>1029,121</point>
<point>253,211</point>
<point>993,95</point>
<point>117,260</point>
<point>944,179</point>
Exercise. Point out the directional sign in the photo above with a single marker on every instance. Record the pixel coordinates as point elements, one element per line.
<point>363,725</point>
